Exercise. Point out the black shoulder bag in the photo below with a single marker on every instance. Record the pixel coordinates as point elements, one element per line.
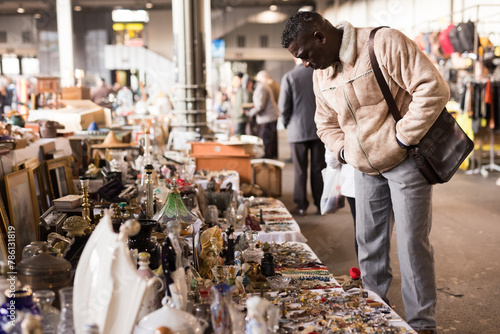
<point>444,147</point>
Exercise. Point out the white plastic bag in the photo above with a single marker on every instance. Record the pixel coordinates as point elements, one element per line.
<point>331,199</point>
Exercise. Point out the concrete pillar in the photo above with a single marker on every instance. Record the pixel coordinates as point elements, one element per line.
<point>65,37</point>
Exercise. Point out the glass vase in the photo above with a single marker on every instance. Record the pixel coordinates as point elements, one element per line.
<point>143,243</point>
<point>66,325</point>
<point>50,315</point>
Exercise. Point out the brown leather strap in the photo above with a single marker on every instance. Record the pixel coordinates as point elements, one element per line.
<point>393,108</point>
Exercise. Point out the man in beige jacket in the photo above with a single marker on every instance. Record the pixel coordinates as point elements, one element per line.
<point>354,122</point>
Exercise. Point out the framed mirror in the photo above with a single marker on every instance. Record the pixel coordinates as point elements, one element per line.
<point>59,177</point>
<point>35,168</point>
<point>23,207</point>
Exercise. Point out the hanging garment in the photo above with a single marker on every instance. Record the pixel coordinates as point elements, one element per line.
<point>444,39</point>
<point>496,105</point>
<point>488,105</point>
<point>466,35</point>
<point>455,40</point>
<point>436,48</point>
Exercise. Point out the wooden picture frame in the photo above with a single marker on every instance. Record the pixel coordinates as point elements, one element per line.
<point>59,177</point>
<point>35,167</point>
<point>3,249</point>
<point>4,225</point>
<point>23,207</point>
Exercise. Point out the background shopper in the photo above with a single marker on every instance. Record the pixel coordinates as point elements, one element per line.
<point>297,105</point>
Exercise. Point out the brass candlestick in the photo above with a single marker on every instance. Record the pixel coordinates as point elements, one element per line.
<point>84,182</point>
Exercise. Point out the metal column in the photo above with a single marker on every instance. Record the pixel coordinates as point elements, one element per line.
<point>189,40</point>
<point>65,36</point>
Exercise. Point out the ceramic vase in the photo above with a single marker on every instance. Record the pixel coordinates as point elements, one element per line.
<point>151,300</point>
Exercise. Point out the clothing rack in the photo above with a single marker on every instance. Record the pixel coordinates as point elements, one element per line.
<point>491,165</point>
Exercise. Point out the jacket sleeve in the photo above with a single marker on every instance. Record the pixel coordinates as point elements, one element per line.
<point>413,71</point>
<point>285,100</point>
<point>327,124</point>
<point>260,97</point>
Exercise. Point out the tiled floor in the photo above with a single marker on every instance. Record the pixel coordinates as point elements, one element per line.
<point>466,240</point>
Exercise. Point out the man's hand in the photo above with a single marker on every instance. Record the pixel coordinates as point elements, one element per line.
<point>330,159</point>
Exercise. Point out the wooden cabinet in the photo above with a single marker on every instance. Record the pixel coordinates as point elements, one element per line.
<point>47,85</point>
<point>216,156</point>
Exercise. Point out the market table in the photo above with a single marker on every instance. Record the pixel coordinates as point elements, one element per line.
<point>280,226</point>
<point>315,302</point>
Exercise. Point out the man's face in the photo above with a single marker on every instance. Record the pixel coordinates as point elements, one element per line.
<point>313,50</point>
<point>236,81</point>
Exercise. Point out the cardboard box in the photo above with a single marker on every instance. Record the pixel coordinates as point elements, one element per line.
<point>267,173</point>
<point>75,93</point>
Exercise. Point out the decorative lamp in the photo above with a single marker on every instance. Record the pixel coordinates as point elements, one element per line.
<point>174,209</point>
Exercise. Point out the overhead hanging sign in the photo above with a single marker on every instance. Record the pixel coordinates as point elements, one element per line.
<point>126,15</point>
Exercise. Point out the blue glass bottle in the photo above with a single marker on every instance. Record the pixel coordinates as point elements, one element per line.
<point>18,304</point>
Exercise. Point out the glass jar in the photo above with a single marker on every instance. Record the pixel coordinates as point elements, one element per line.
<point>34,248</point>
<point>50,315</point>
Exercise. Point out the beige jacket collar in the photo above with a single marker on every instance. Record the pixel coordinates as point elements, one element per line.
<point>347,51</point>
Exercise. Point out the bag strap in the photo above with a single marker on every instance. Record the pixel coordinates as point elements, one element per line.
<point>393,108</point>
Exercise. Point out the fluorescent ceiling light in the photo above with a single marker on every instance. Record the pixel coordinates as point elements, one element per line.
<point>268,17</point>
<point>306,9</point>
<point>125,15</point>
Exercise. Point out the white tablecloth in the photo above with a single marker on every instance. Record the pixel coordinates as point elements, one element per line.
<point>280,224</point>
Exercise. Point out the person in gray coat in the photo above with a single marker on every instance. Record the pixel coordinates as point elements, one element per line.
<point>266,112</point>
<point>297,105</point>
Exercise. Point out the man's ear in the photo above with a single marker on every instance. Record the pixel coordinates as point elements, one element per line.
<point>320,36</point>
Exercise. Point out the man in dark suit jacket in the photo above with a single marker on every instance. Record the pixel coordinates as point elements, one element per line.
<point>297,104</point>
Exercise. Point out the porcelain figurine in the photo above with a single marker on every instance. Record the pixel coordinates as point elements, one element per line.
<point>101,294</point>
<point>174,266</point>
<point>257,308</point>
<point>230,245</point>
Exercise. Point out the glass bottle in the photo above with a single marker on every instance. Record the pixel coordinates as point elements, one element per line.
<point>22,303</point>
<point>148,185</point>
<point>50,314</point>
<point>66,325</point>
